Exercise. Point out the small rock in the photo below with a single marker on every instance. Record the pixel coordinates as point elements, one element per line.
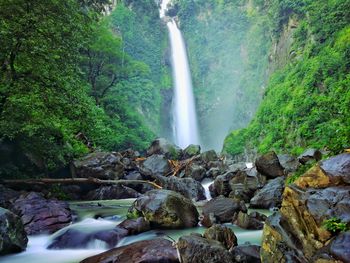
<point>161,146</point>
<point>135,226</point>
<point>289,163</point>
<point>270,195</point>
<point>310,155</point>
<point>112,192</point>
<point>222,234</point>
<point>155,165</point>
<point>252,221</point>
<point>269,165</point>
<point>246,254</point>
<point>6,195</point>
<point>196,172</point>
<point>191,150</point>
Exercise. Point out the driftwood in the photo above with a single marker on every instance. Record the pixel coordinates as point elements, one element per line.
<point>89,180</point>
<point>178,166</point>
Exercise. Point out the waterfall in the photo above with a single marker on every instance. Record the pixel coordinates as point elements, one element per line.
<point>185,120</point>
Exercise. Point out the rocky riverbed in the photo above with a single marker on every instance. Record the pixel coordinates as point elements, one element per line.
<point>310,223</point>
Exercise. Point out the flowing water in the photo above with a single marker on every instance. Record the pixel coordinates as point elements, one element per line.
<point>89,220</point>
<point>185,119</point>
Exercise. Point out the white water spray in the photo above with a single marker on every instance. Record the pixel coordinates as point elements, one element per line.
<point>185,120</point>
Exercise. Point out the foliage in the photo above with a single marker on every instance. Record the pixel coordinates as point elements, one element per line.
<point>335,225</point>
<point>306,103</point>
<point>299,172</point>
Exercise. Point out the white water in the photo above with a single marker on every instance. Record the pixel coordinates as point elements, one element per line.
<point>185,120</point>
<point>206,183</point>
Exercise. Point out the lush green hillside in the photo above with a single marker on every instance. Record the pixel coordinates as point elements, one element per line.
<point>307,101</point>
<point>67,84</point>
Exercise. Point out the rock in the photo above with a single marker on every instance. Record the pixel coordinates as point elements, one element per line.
<point>310,155</point>
<point>337,168</point>
<point>40,215</point>
<point>100,165</point>
<point>161,146</point>
<point>165,209</point>
<point>196,249</point>
<point>152,251</point>
<point>235,167</point>
<point>188,187</point>
<point>213,173</point>
<point>141,188</point>
<point>289,163</point>
<point>135,226</point>
<point>117,191</point>
<point>269,165</point>
<point>155,165</point>
<point>340,247</point>
<point>270,195</point>
<point>78,239</point>
<point>209,156</point>
<point>191,150</point>
<point>13,237</point>
<point>222,210</point>
<point>246,254</point>
<point>252,221</point>
<point>221,185</point>
<point>222,234</point>
<point>6,195</point>
<point>196,172</point>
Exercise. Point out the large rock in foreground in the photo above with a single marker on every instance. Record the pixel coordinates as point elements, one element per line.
<point>165,209</point>
<point>40,215</point>
<point>13,238</point>
<point>150,251</point>
<point>298,234</point>
<point>196,249</point>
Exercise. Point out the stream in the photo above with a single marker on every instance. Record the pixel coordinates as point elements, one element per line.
<point>103,215</point>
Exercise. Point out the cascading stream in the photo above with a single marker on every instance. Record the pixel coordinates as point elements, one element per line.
<point>185,120</point>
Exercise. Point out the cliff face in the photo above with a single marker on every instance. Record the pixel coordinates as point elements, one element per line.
<point>314,216</point>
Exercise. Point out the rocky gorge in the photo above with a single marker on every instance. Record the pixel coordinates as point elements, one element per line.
<point>310,222</point>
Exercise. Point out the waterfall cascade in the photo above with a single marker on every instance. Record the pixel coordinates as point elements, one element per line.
<point>185,120</point>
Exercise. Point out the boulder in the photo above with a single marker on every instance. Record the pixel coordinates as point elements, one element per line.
<point>40,215</point>
<point>269,165</point>
<point>221,210</point>
<point>165,209</point>
<point>213,172</point>
<point>222,234</point>
<point>13,237</point>
<point>141,187</point>
<point>246,253</point>
<point>151,251</point>
<point>310,155</point>
<point>221,185</point>
<point>209,156</point>
<point>163,147</point>
<point>339,248</point>
<point>6,195</point>
<point>117,191</point>
<point>196,249</point>
<point>135,226</point>
<point>188,187</point>
<point>253,221</point>
<point>100,165</point>
<point>289,163</point>
<point>337,168</point>
<point>195,171</point>
<point>191,150</point>
<point>79,239</point>
<point>270,195</point>
<point>155,165</point>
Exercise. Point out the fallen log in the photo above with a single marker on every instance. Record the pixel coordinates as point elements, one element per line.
<point>89,180</point>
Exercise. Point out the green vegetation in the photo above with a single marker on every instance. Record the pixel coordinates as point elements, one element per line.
<point>66,85</point>
<point>299,172</point>
<point>335,225</point>
<point>307,102</point>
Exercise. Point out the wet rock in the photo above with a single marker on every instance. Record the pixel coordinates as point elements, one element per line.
<point>165,209</point>
<point>340,247</point>
<point>221,210</point>
<point>100,165</point>
<point>221,185</point>
<point>188,187</point>
<point>235,167</point>
<point>269,165</point>
<point>161,146</point>
<point>337,168</point>
<point>270,195</point>
<point>310,155</point>
<point>13,237</point>
<point>141,187</point>
<point>209,156</point>
<point>289,163</point>
<point>6,195</point>
<point>40,215</point>
<point>246,254</point>
<point>196,172</point>
<point>117,191</point>
<point>196,249</point>
<point>155,165</point>
<point>213,172</point>
<point>135,226</point>
<point>222,234</point>
<point>151,251</point>
<point>78,239</point>
<point>191,150</point>
<point>252,221</point>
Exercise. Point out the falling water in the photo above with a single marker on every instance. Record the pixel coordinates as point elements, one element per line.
<point>185,121</point>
